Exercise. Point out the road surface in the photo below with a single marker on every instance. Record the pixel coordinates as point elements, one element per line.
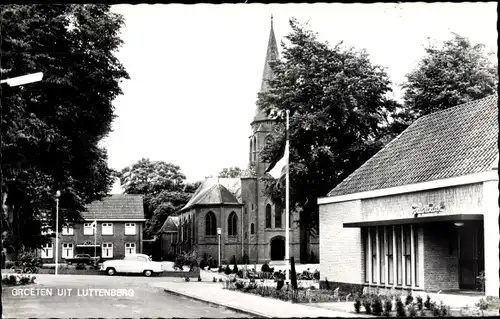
<point>79,296</point>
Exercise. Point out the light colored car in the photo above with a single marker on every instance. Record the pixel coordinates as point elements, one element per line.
<point>133,263</point>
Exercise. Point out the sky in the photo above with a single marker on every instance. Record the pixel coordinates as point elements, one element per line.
<point>195,70</point>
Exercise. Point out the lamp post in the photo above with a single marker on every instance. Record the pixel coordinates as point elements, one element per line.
<point>58,193</point>
<point>219,231</point>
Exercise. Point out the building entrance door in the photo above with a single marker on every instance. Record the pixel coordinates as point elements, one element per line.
<point>471,254</point>
<point>277,248</point>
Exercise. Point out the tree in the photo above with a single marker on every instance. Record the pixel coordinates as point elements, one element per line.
<point>337,104</point>
<point>456,73</point>
<point>163,186</point>
<point>51,129</point>
<point>231,172</point>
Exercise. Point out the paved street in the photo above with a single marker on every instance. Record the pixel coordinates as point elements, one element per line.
<point>142,300</point>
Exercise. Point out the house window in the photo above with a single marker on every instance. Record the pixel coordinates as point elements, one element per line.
<point>210,224</point>
<point>252,229</point>
<point>277,216</point>
<point>268,216</point>
<point>130,229</point>
<point>67,230</point>
<point>107,250</point>
<point>88,229</point>
<point>232,224</point>
<point>67,250</point>
<point>47,251</point>
<point>129,248</point>
<point>390,255</point>
<point>107,228</point>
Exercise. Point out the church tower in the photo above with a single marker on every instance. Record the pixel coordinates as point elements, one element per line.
<point>262,125</point>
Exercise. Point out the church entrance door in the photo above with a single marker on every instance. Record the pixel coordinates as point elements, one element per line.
<point>277,248</point>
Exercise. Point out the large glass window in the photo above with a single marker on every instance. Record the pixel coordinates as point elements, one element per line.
<point>415,258</point>
<point>373,239</point>
<point>366,245</point>
<point>399,273</point>
<point>390,255</point>
<point>407,254</point>
<point>382,244</point>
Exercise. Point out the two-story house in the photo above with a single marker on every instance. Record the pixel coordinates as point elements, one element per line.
<point>111,229</point>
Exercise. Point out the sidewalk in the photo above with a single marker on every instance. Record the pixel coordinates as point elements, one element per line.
<point>213,293</point>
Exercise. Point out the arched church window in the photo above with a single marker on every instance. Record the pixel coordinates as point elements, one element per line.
<point>232,224</point>
<point>268,216</point>
<point>277,216</point>
<point>254,153</point>
<point>252,229</point>
<point>210,224</point>
<point>251,150</point>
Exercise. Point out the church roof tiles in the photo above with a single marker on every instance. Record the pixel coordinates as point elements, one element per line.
<point>216,191</point>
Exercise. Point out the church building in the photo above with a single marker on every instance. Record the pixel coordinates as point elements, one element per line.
<point>251,227</point>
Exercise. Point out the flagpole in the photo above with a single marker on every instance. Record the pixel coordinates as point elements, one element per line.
<point>287,202</point>
<point>95,237</point>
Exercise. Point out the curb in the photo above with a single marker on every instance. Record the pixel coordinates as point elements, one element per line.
<point>246,312</point>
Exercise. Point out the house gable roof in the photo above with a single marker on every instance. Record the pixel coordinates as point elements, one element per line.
<point>458,141</point>
<point>170,225</point>
<point>117,206</point>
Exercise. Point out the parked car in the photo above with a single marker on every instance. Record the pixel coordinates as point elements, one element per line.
<point>81,259</point>
<point>133,263</point>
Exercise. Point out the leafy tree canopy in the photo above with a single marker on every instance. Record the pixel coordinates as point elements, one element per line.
<point>163,186</point>
<point>455,73</point>
<point>338,108</point>
<point>51,129</point>
<point>230,172</point>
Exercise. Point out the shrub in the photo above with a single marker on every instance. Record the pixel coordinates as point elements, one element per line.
<point>409,299</point>
<point>220,279</point>
<point>422,313</point>
<point>187,279</point>
<point>316,274</point>
<point>377,306</point>
<point>435,309</point>
<point>368,306</point>
<point>357,305</point>
<point>80,266</point>
<point>221,269</point>
<point>420,303</point>
<point>387,307</point>
<point>481,279</point>
<point>9,264</point>
<point>400,308</point>
<point>427,302</point>
<point>203,264</point>
<point>265,268</point>
<point>214,280</point>
<point>27,262</point>
<point>412,310</point>
<point>239,274</point>
<point>239,284</point>
<point>280,284</point>
<point>227,270</point>
<point>235,269</point>
<point>179,262</point>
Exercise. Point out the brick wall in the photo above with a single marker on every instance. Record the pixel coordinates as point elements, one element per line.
<point>440,257</point>
<point>341,258</point>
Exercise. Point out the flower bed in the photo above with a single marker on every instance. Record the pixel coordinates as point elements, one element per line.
<point>301,295</point>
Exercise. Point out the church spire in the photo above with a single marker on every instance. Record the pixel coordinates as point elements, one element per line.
<point>272,54</point>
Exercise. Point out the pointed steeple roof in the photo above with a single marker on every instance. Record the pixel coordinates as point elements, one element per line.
<point>272,54</point>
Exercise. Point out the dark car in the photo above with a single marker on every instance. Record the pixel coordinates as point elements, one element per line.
<point>81,259</point>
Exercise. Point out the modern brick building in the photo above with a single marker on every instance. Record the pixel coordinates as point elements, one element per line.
<point>250,222</point>
<point>421,214</point>
<point>119,224</point>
